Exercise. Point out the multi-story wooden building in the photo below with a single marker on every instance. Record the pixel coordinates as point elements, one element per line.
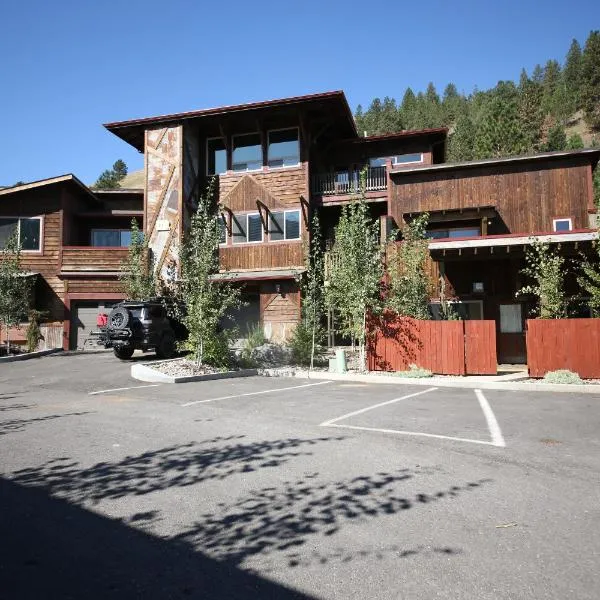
<point>73,241</point>
<point>277,160</point>
<point>274,162</point>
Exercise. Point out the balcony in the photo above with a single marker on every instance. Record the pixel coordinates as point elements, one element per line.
<point>340,183</point>
<point>88,260</point>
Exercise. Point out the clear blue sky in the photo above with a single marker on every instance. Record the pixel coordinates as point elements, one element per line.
<point>68,66</point>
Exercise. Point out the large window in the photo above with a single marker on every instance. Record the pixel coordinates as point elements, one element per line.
<point>216,156</point>
<point>404,159</point>
<point>284,148</point>
<point>284,225</point>
<point>111,238</point>
<point>246,228</point>
<point>457,232</point>
<point>28,232</point>
<point>247,152</point>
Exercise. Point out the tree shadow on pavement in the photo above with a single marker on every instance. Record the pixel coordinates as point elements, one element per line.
<point>14,425</point>
<point>174,466</point>
<point>53,549</point>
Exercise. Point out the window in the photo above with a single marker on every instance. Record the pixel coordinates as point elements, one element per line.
<point>510,318</point>
<point>222,229</point>
<point>247,152</point>
<point>216,156</point>
<point>284,225</point>
<point>28,232</point>
<point>562,224</point>
<point>466,310</point>
<point>238,229</point>
<point>112,238</point>
<point>458,232</point>
<point>255,228</point>
<point>284,148</point>
<point>377,162</point>
<point>402,159</point>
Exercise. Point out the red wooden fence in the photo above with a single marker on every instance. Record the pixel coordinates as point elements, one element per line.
<point>444,347</point>
<point>572,344</point>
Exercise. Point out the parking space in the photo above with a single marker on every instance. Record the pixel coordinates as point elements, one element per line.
<point>320,489</point>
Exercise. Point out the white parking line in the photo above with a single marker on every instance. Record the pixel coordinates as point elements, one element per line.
<point>363,410</point>
<point>293,387</point>
<point>133,387</point>
<point>495,432</point>
<point>492,423</point>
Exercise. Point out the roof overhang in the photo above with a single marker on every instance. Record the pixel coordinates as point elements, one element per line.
<point>68,178</point>
<point>132,131</point>
<point>494,241</point>
<point>592,154</point>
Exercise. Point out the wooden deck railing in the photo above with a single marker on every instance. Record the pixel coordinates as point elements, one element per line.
<point>348,182</point>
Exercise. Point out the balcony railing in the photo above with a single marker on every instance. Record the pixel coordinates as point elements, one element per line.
<point>348,182</point>
<point>82,259</point>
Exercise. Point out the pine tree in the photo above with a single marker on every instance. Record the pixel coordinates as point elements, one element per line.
<point>461,145</point>
<point>452,105</point>
<point>530,112</point>
<point>549,84</point>
<point>499,132</point>
<point>408,109</point>
<point>590,80</point>
<point>572,72</point>
<point>359,119</point>
<point>111,178</point>
<point>575,142</point>
<point>537,76</point>
<point>557,140</point>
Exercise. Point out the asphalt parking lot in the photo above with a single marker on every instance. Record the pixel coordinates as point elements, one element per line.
<point>290,488</point>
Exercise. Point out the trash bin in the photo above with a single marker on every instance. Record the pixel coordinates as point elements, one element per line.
<point>340,359</point>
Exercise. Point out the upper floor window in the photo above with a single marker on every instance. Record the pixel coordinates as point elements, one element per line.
<point>216,156</point>
<point>247,152</point>
<point>111,238</point>
<point>377,162</point>
<point>456,232</point>
<point>403,159</point>
<point>28,232</point>
<point>562,224</point>
<point>284,225</point>
<point>246,228</point>
<point>284,148</point>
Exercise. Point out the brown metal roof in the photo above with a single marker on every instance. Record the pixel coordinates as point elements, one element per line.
<point>69,177</point>
<point>130,130</point>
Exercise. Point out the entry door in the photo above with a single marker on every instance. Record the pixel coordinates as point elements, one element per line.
<point>511,334</point>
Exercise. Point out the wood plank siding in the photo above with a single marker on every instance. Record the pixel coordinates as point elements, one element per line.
<point>274,255</point>
<point>526,196</point>
<point>81,259</point>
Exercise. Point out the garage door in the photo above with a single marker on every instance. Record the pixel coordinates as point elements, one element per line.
<point>83,322</point>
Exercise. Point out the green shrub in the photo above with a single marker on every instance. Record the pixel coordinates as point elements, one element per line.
<point>562,376</point>
<point>302,341</point>
<point>34,333</point>
<point>416,372</point>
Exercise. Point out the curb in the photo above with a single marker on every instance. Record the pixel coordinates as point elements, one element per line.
<point>29,355</point>
<point>142,372</point>
<point>508,386</point>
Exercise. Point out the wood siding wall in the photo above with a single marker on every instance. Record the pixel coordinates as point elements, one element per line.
<point>261,256</point>
<point>527,197</point>
<point>572,344</point>
<point>81,259</point>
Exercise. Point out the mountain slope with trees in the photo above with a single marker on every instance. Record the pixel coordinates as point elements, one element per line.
<point>556,107</point>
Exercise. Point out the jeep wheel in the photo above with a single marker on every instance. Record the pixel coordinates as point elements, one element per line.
<point>118,318</point>
<point>123,352</point>
<point>166,347</point>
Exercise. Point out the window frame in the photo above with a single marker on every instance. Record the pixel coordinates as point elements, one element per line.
<point>299,148</point>
<point>410,162</point>
<point>39,218</point>
<point>285,238</point>
<point>262,154</point>
<point>262,229</point>
<point>475,301</point>
<point>208,173</point>
<point>224,219</point>
<point>119,229</point>
<point>556,220</point>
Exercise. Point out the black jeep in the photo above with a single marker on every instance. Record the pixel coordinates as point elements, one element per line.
<point>142,325</point>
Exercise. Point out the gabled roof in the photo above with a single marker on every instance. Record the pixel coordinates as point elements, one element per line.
<point>132,130</point>
<point>68,178</point>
